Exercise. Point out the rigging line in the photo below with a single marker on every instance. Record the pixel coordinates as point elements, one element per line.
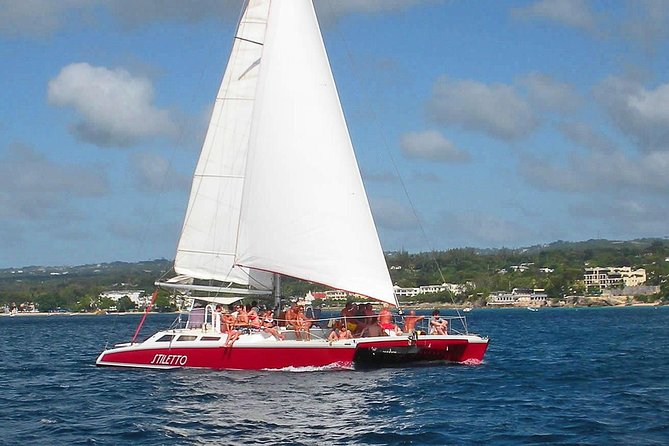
<point>386,145</point>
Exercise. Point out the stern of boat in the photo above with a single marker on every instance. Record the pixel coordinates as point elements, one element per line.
<point>390,351</point>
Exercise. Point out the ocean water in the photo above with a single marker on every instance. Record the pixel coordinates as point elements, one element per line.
<point>556,376</point>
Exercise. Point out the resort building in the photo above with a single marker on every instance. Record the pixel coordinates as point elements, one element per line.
<point>430,289</point>
<point>399,292</point>
<point>614,277</point>
<point>519,297</point>
<point>336,295</point>
<point>136,296</point>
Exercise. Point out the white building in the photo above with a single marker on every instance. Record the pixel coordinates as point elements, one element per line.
<point>336,295</point>
<point>614,277</point>
<point>519,297</point>
<point>136,296</point>
<point>406,292</point>
<point>430,289</point>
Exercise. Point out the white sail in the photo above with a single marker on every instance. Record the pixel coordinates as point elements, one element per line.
<point>206,249</point>
<point>305,213</point>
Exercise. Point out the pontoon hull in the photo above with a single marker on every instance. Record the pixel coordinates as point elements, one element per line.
<point>261,354</point>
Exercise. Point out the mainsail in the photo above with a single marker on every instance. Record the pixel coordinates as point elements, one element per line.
<point>305,213</point>
<point>206,248</point>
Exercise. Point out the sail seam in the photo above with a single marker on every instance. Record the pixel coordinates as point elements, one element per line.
<point>208,175</point>
<point>228,98</point>
<point>198,251</point>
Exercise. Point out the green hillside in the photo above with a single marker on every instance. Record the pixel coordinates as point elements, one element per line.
<point>78,287</point>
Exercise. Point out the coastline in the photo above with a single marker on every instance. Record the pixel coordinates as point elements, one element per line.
<point>423,306</point>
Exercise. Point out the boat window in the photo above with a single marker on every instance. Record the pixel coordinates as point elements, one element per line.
<point>165,338</point>
<point>186,338</point>
<point>210,338</point>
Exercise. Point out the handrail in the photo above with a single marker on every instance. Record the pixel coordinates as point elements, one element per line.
<point>456,324</point>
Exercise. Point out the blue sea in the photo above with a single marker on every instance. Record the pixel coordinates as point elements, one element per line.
<point>556,376</point>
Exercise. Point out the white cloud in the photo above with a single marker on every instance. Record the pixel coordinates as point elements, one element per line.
<point>550,94</point>
<point>115,108</point>
<point>614,173</point>
<point>484,229</point>
<point>638,112</point>
<point>132,12</point>
<point>623,216</point>
<point>154,173</point>
<point>33,187</point>
<point>343,7</point>
<point>495,109</point>
<point>432,146</point>
<point>37,17</point>
<point>44,17</point>
<point>390,214</point>
<point>584,135</point>
<point>647,21</point>
<point>135,13</point>
<point>574,13</point>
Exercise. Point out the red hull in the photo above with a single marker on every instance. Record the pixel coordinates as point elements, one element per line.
<point>230,358</point>
<point>365,352</point>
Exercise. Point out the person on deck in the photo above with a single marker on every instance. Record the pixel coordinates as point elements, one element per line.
<point>345,333</point>
<point>411,320</point>
<point>437,324</point>
<point>254,319</point>
<point>304,323</point>
<point>228,322</point>
<point>293,322</point>
<point>290,315</point>
<point>348,314</point>
<point>373,330</point>
<point>269,325</point>
<point>218,317</point>
<point>386,321</point>
<point>333,336</point>
<point>242,317</point>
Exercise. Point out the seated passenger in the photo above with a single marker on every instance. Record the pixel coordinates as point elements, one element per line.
<point>242,317</point>
<point>269,325</point>
<point>290,315</point>
<point>303,323</point>
<point>253,318</point>
<point>348,314</point>
<point>228,322</point>
<point>345,333</point>
<point>437,324</point>
<point>218,317</point>
<point>373,330</point>
<point>293,322</point>
<point>333,336</point>
<point>386,321</point>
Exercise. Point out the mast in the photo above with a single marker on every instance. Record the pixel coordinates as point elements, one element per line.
<point>277,294</point>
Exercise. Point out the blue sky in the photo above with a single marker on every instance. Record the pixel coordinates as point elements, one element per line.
<point>510,123</point>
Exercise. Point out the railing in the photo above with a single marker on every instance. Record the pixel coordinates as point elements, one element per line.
<point>457,325</point>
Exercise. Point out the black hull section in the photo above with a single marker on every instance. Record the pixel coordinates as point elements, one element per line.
<point>375,357</point>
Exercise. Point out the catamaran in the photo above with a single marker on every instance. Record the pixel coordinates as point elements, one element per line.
<point>277,192</point>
